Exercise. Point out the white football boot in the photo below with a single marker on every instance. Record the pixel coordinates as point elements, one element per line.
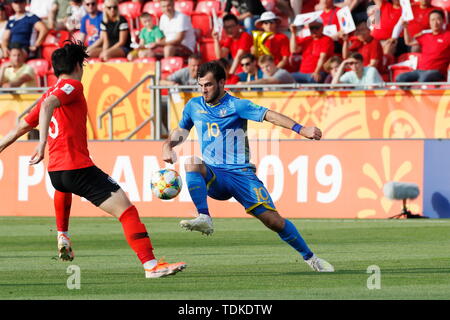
<point>319,265</point>
<point>65,252</point>
<point>203,223</point>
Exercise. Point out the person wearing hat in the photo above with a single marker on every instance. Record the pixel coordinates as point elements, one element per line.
<point>315,50</point>
<point>20,28</point>
<point>268,41</point>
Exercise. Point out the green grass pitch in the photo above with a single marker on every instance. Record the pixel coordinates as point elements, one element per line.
<point>241,260</point>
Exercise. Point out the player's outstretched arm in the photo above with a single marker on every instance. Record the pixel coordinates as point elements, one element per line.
<point>22,128</point>
<point>281,120</point>
<point>45,116</point>
<point>176,137</point>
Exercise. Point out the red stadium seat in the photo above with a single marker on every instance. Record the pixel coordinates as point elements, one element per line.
<point>396,70</point>
<point>171,64</point>
<point>145,60</point>
<point>94,60</point>
<point>207,50</point>
<point>208,7</point>
<point>117,60</point>
<point>153,8</point>
<point>130,9</point>
<point>185,6</point>
<point>41,68</point>
<point>47,51</point>
<point>202,22</point>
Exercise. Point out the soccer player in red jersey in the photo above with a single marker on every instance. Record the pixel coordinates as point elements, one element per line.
<point>62,124</point>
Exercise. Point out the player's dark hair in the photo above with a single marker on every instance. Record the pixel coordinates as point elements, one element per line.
<point>439,12</point>
<point>215,68</point>
<point>230,17</point>
<point>65,59</point>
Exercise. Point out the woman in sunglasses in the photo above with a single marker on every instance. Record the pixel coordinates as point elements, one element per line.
<point>115,32</point>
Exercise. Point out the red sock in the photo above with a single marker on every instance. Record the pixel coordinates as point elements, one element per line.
<point>136,234</point>
<point>62,202</point>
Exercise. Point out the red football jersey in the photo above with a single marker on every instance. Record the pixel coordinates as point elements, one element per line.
<point>67,135</point>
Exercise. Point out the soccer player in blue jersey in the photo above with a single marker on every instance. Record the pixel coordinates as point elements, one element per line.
<point>225,171</point>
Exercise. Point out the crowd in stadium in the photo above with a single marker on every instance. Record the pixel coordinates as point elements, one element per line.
<point>257,42</point>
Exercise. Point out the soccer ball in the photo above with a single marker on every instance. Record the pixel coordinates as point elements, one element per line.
<point>166,184</point>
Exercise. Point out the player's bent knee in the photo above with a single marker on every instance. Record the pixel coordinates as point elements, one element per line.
<point>194,164</point>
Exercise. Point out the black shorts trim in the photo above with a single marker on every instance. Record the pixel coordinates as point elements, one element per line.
<point>90,183</point>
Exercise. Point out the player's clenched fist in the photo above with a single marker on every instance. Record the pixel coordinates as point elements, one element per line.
<point>313,133</point>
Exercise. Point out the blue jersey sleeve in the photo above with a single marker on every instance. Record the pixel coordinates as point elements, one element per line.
<point>186,119</point>
<point>250,111</point>
<point>83,24</point>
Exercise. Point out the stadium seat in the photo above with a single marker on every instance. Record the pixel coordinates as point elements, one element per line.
<point>185,6</point>
<point>208,7</point>
<point>145,60</point>
<point>202,22</point>
<point>41,68</point>
<point>130,9</point>
<point>54,38</point>
<point>398,69</point>
<point>153,8</point>
<point>47,51</point>
<point>93,60</point>
<point>207,50</point>
<point>117,60</point>
<point>171,64</point>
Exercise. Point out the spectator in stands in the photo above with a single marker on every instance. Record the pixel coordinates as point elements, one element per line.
<point>16,73</point>
<point>149,37</point>
<point>249,11</point>
<point>389,28</point>
<point>421,12</point>
<point>435,49</point>
<point>41,8</point>
<point>331,66</point>
<point>90,28</point>
<point>237,43</point>
<point>315,49</point>
<point>357,7</point>
<point>20,28</point>
<point>3,23</point>
<point>115,33</point>
<point>186,76</point>
<point>329,14</point>
<point>178,31</point>
<point>75,13</point>
<point>250,69</point>
<point>365,44</point>
<point>271,42</point>
<point>271,73</point>
<point>58,15</point>
<point>226,65</point>
<point>358,74</point>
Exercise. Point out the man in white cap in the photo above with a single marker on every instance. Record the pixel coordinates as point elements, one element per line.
<point>315,50</point>
<point>269,41</point>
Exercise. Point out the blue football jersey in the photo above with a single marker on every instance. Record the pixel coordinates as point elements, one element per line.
<point>222,129</point>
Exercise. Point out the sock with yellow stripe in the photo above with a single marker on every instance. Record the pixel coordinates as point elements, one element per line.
<point>291,236</point>
<point>197,189</point>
